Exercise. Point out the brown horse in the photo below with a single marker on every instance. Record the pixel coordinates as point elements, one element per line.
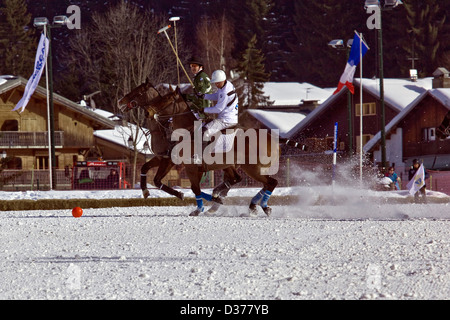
<point>243,154</point>
<point>161,145</point>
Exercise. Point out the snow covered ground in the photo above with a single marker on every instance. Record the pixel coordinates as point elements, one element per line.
<point>358,244</point>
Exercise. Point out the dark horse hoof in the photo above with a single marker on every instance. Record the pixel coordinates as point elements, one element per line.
<point>214,208</point>
<point>267,211</point>
<point>180,195</point>
<point>217,200</point>
<point>196,213</point>
<point>253,210</point>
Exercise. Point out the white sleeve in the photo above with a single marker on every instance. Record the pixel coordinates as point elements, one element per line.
<point>220,105</point>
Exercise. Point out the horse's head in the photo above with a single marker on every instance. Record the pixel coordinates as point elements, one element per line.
<point>138,97</point>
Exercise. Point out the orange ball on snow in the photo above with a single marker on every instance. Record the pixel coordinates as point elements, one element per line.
<point>77,212</point>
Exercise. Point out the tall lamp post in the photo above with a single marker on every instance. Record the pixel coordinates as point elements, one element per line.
<point>43,23</point>
<point>381,5</point>
<point>338,44</point>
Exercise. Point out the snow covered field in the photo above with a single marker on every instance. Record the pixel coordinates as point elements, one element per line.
<point>349,247</point>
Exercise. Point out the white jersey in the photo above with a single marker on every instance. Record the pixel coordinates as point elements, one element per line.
<point>227,103</point>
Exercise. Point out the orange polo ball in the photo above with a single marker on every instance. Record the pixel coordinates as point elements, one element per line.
<point>77,212</point>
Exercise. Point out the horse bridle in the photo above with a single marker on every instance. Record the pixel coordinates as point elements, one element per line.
<point>132,104</point>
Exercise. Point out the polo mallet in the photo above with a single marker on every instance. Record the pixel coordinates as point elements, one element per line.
<point>174,20</point>
<point>175,52</point>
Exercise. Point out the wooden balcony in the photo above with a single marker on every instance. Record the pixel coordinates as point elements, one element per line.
<point>27,140</point>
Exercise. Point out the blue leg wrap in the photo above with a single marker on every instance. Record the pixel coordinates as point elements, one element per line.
<point>265,199</point>
<point>199,202</point>
<point>256,199</point>
<point>206,196</point>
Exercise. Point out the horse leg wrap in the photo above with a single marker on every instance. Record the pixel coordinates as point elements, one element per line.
<point>206,196</point>
<point>265,199</point>
<point>256,199</point>
<point>199,200</point>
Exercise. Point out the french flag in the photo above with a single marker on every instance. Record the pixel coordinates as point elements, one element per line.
<point>358,50</point>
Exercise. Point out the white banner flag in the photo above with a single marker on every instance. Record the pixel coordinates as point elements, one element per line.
<point>41,58</point>
<point>417,182</point>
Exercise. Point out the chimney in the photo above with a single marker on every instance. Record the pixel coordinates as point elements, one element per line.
<point>441,78</point>
<point>308,105</point>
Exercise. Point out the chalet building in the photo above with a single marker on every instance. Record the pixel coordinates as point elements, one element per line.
<point>411,134</point>
<point>317,129</point>
<point>24,136</point>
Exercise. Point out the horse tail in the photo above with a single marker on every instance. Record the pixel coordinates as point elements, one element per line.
<point>294,144</point>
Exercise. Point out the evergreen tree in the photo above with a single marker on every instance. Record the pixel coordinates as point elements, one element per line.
<point>426,23</point>
<point>251,70</point>
<point>17,41</point>
<point>316,24</point>
<point>250,18</point>
<point>278,35</point>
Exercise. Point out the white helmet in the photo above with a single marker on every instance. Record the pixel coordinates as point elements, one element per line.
<point>218,76</point>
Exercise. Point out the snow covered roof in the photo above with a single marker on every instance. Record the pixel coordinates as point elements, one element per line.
<point>293,93</point>
<point>10,82</point>
<point>283,121</point>
<point>442,95</point>
<point>398,93</point>
<point>120,134</point>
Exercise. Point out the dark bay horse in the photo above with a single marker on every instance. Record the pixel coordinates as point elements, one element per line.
<point>443,131</point>
<point>243,154</point>
<point>160,131</point>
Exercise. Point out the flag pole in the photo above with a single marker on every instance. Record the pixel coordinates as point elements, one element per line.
<point>361,109</point>
<point>50,167</point>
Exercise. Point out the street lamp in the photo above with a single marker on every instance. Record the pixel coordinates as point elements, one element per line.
<point>338,44</point>
<point>382,5</point>
<point>174,20</point>
<point>43,23</point>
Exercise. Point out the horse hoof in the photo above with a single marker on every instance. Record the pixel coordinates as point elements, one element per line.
<point>180,195</point>
<point>217,200</point>
<point>145,193</point>
<point>267,211</point>
<point>196,212</point>
<point>253,210</point>
<point>214,208</point>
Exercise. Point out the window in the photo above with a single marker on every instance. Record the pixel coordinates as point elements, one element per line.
<point>365,139</point>
<point>10,125</point>
<point>369,109</point>
<point>41,163</point>
<point>428,134</point>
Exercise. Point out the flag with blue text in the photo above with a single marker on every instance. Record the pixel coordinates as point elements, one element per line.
<point>417,182</point>
<point>41,58</point>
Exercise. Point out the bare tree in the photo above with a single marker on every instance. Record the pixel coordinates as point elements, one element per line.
<point>117,52</point>
<point>216,41</point>
<point>120,49</point>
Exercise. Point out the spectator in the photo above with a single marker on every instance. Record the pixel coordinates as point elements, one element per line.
<point>112,181</point>
<point>422,191</point>
<point>395,184</point>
